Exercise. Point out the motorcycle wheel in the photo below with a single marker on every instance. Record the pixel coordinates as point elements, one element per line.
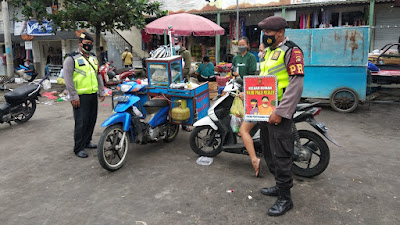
<point>198,141</point>
<point>320,156</point>
<point>172,132</point>
<point>29,108</point>
<point>110,155</point>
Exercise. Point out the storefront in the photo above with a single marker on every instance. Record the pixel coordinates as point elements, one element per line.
<point>300,14</point>
<point>387,25</point>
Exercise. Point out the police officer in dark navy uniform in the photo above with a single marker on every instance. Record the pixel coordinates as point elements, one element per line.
<point>283,59</point>
<point>83,82</point>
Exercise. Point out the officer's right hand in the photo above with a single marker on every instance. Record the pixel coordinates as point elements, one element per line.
<point>241,95</point>
<point>75,103</point>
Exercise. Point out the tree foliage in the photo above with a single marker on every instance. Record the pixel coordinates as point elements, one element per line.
<point>97,15</point>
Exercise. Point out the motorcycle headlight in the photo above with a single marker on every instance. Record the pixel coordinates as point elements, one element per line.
<point>125,87</point>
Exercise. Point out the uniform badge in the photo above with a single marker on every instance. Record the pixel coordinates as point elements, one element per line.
<point>275,56</point>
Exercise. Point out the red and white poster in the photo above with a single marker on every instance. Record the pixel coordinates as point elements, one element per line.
<point>260,97</point>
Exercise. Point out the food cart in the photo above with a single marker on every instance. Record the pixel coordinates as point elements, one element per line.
<point>161,73</point>
<point>335,61</point>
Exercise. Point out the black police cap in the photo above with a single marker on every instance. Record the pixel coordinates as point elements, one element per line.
<point>85,36</point>
<point>273,23</point>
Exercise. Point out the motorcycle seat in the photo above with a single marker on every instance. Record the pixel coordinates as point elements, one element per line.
<point>4,108</point>
<point>121,70</point>
<point>156,103</point>
<point>21,93</point>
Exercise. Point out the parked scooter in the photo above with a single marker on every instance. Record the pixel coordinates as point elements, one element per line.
<point>134,121</point>
<point>213,134</point>
<point>20,103</point>
<point>113,76</point>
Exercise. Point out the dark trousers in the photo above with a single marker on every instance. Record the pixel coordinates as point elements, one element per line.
<point>278,146</point>
<point>85,119</point>
<point>202,79</point>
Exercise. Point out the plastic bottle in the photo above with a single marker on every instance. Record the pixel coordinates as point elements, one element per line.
<point>188,85</point>
<point>137,111</point>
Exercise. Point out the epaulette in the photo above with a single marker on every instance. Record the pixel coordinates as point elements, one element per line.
<point>291,44</point>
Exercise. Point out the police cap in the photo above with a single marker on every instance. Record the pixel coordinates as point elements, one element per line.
<point>85,36</point>
<point>273,23</point>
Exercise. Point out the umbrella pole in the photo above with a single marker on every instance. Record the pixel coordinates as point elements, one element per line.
<point>170,40</point>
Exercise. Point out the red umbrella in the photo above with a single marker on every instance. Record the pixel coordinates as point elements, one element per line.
<point>184,24</point>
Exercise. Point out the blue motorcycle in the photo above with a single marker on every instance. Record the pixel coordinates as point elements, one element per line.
<point>136,120</point>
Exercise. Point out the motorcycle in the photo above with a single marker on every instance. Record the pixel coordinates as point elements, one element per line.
<point>20,103</point>
<point>213,134</point>
<point>113,76</point>
<point>136,120</point>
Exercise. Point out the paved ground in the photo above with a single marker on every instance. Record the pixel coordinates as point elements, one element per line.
<point>43,182</point>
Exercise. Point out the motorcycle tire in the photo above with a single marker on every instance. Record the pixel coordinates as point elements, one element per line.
<point>172,132</point>
<point>108,148</point>
<point>30,106</point>
<point>324,155</point>
<point>196,141</point>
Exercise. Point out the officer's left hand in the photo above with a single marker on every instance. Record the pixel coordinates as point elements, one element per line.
<point>274,119</point>
<point>102,98</point>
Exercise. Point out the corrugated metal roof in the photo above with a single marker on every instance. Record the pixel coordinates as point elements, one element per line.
<point>297,6</point>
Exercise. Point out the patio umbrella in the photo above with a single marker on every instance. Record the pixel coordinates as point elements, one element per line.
<point>185,24</point>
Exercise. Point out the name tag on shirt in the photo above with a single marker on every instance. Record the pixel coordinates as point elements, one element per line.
<point>275,56</point>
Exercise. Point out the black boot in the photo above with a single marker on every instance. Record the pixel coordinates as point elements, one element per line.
<point>283,203</point>
<point>271,191</point>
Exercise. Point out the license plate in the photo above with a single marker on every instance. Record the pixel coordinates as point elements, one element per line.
<point>322,126</point>
<point>121,98</point>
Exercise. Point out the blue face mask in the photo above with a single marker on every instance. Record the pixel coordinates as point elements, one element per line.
<point>177,47</point>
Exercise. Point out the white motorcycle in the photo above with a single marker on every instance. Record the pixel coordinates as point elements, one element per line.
<point>213,134</point>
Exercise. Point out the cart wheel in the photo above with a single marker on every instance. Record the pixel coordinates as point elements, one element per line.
<point>344,100</point>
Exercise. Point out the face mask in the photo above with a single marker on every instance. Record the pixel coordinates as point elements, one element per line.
<point>87,47</point>
<point>242,49</point>
<point>269,40</point>
<point>260,55</point>
<point>177,47</point>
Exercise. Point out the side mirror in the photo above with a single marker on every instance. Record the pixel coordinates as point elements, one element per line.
<point>112,61</point>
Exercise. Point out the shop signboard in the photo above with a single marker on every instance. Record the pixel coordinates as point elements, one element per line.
<point>28,45</point>
<point>260,97</point>
<point>39,29</point>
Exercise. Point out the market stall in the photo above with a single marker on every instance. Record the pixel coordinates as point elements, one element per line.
<point>165,74</point>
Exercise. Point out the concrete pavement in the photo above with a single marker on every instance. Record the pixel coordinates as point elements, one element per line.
<point>43,182</point>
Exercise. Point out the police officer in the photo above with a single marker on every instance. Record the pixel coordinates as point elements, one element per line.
<point>283,59</point>
<point>83,82</point>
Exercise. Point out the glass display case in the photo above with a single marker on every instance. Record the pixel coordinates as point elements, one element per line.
<point>161,72</point>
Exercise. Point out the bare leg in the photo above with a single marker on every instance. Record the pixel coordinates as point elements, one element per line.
<point>244,132</point>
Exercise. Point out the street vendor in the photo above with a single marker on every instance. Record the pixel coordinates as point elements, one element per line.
<point>186,56</point>
<point>283,59</point>
<point>205,72</point>
<point>244,63</point>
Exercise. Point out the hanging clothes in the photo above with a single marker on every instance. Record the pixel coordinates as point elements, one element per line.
<point>301,21</point>
<point>315,20</point>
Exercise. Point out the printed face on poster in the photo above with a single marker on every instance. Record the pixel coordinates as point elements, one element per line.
<point>260,97</point>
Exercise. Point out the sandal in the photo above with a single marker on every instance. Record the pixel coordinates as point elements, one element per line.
<point>258,171</point>
<point>187,128</point>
